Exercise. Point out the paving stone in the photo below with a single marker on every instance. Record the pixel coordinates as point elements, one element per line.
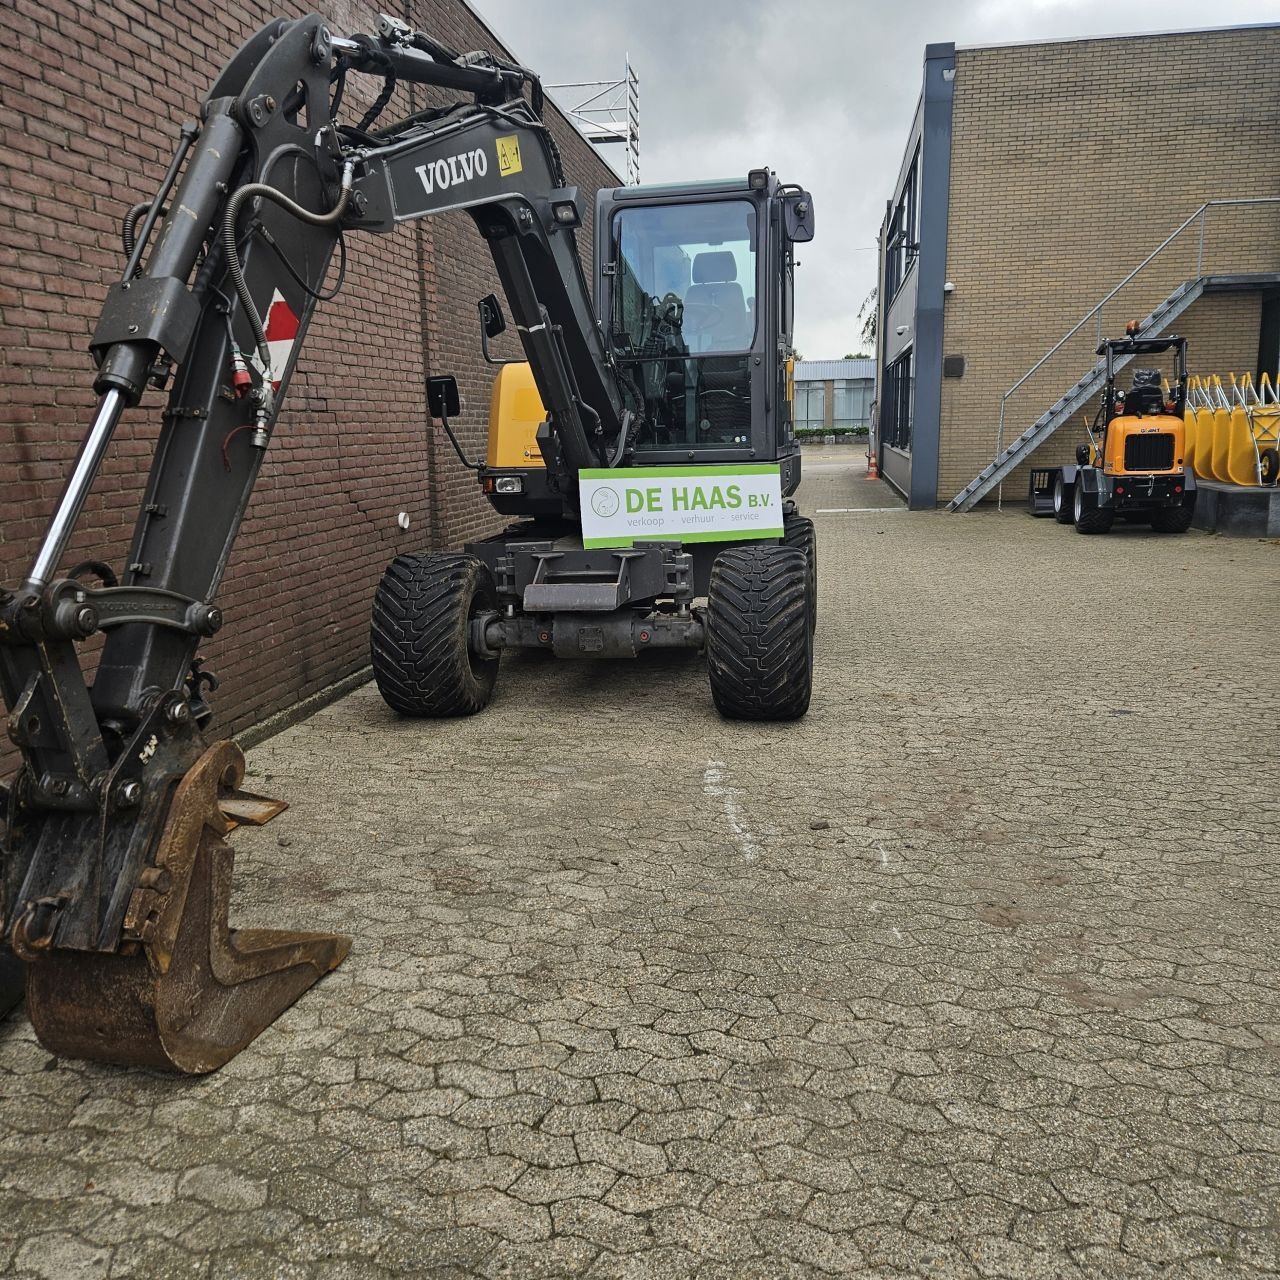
<point>56,1256</point>
<point>601,1225</point>
<point>503,1215</point>
<point>990,1020</point>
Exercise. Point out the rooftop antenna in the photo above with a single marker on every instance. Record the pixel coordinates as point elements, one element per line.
<point>609,111</point>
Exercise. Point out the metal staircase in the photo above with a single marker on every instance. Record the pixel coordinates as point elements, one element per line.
<point>1153,325</point>
<point>1075,399</point>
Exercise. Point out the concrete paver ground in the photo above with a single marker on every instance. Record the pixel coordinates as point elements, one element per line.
<point>973,972</point>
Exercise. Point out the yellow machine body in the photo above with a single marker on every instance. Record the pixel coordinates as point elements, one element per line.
<point>515,414</point>
<point>1128,427</point>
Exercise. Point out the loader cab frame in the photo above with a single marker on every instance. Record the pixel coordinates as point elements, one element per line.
<point>694,290</point>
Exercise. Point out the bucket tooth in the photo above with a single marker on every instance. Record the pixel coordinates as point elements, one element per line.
<point>184,991</point>
<point>244,809</point>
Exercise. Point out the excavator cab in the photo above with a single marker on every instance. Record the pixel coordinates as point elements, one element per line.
<point>694,290</point>
<point>688,500</point>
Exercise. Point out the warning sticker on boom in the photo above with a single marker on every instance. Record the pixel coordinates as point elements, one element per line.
<point>509,155</point>
<point>281,329</point>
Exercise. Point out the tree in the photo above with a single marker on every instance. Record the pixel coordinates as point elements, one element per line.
<point>856,355</point>
<point>868,314</point>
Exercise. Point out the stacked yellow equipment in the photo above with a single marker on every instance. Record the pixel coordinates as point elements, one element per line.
<point>1233,436</point>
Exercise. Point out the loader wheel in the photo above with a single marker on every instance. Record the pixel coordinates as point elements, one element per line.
<point>1090,519</point>
<point>759,638</point>
<point>1269,464</point>
<point>418,640</point>
<point>1172,519</point>
<point>1062,496</point>
<point>798,532</point>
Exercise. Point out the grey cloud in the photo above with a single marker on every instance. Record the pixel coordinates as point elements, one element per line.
<point>823,92</point>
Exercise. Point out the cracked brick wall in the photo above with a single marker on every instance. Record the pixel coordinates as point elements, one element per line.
<point>92,97</point>
<point>1071,161</point>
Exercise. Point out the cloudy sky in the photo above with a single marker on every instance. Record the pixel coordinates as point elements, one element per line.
<point>823,92</point>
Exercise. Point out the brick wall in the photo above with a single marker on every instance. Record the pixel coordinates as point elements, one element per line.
<point>1070,163</point>
<point>92,97</point>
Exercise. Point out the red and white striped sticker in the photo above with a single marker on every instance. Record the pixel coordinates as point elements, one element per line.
<point>282,332</point>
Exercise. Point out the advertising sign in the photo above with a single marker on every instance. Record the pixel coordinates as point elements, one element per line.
<point>685,504</point>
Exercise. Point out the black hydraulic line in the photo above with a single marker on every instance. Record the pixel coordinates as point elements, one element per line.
<point>339,78</point>
<point>440,52</point>
<point>189,133</point>
<point>380,104</point>
<point>291,207</point>
<point>322,296</point>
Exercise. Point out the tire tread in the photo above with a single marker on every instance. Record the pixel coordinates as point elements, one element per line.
<point>759,637</point>
<point>418,636</point>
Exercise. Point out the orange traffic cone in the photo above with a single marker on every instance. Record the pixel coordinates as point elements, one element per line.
<point>873,472</point>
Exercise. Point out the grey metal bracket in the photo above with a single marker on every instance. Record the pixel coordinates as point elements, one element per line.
<point>73,611</point>
<point>578,596</point>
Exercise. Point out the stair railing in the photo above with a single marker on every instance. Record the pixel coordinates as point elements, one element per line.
<point>1199,216</point>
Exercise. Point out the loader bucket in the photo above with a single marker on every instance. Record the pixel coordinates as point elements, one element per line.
<point>184,991</point>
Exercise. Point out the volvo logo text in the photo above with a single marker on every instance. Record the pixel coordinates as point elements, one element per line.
<point>443,174</point>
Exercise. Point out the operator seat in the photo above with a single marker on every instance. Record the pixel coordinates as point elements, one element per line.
<point>715,311</point>
<point>1146,396</point>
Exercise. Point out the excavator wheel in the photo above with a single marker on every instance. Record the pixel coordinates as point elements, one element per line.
<point>419,638</point>
<point>798,532</point>
<point>1172,519</point>
<point>759,637</point>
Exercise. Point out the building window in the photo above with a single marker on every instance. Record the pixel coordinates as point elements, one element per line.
<point>903,238</point>
<point>852,404</point>
<point>899,400</point>
<point>810,404</point>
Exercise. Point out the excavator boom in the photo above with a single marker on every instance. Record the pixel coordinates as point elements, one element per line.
<point>114,870</point>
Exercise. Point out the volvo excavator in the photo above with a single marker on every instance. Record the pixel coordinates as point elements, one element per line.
<point>643,449</point>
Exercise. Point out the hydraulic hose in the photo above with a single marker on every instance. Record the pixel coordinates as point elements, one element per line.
<point>292,207</point>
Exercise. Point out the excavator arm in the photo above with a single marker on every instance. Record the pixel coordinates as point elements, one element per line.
<point>114,873</point>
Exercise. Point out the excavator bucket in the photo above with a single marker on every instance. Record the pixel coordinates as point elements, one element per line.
<point>184,991</point>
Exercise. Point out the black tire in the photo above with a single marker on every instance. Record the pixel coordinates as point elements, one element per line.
<point>798,532</point>
<point>1172,519</point>
<point>1090,519</point>
<point>759,639</point>
<point>418,642</point>
<point>1062,498</point>
<point>1269,462</point>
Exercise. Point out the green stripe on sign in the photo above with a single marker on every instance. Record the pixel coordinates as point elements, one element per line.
<point>683,473</point>
<point>747,535</point>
